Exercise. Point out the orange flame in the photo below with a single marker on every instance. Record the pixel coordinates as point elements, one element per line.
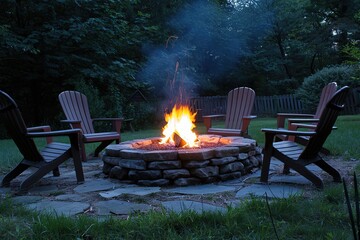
<point>180,121</point>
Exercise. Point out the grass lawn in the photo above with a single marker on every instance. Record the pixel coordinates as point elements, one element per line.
<point>324,216</point>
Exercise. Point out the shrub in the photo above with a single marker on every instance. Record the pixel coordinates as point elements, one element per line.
<point>309,92</point>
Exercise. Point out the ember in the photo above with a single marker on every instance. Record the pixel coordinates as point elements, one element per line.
<point>156,145</point>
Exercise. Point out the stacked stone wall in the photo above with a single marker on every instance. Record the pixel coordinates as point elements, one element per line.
<point>181,167</point>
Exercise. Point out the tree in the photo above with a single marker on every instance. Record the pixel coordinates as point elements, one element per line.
<point>50,46</point>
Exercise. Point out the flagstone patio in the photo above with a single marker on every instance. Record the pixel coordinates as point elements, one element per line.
<point>102,196</point>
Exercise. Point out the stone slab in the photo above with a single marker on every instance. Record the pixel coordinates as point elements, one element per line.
<point>27,199</point>
<point>272,191</point>
<point>140,191</point>
<point>295,179</point>
<point>198,207</point>
<point>59,207</point>
<point>71,197</point>
<point>94,186</point>
<point>201,189</point>
<point>119,207</point>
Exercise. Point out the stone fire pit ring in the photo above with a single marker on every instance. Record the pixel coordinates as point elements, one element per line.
<point>237,156</point>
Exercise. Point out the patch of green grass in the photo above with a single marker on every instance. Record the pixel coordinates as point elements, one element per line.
<point>345,140</point>
<point>294,218</point>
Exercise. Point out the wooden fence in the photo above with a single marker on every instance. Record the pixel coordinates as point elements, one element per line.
<point>267,105</point>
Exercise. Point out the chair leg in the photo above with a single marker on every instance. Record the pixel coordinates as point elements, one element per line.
<point>286,169</point>
<point>83,151</point>
<point>309,175</point>
<point>56,172</point>
<point>78,166</point>
<point>101,147</point>
<point>329,169</point>
<point>267,153</point>
<point>13,174</point>
<point>25,185</point>
<point>325,151</point>
<point>265,168</point>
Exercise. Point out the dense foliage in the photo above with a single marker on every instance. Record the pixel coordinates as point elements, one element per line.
<point>93,46</point>
<point>310,90</point>
<point>109,49</point>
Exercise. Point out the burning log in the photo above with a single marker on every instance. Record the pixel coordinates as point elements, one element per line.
<point>179,141</point>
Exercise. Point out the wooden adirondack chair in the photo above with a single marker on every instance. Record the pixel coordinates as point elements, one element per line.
<point>294,119</point>
<point>46,160</point>
<point>76,109</point>
<point>326,93</point>
<point>296,156</point>
<point>240,102</point>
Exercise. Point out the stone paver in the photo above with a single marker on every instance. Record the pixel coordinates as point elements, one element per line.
<point>95,185</point>
<point>59,207</point>
<point>71,197</point>
<point>119,207</point>
<point>140,191</point>
<point>291,179</point>
<point>200,189</point>
<point>272,191</point>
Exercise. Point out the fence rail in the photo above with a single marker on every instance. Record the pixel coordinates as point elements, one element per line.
<point>267,105</point>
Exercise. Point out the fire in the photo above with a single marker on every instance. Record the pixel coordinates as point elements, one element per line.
<point>180,123</point>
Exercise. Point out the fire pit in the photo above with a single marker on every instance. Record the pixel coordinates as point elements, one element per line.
<point>218,159</point>
<point>181,157</point>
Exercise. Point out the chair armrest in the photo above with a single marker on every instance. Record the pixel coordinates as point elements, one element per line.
<point>74,137</point>
<point>246,122</point>
<point>45,128</point>
<point>303,120</point>
<point>108,119</point>
<point>208,119</point>
<point>295,115</point>
<point>70,121</point>
<point>295,126</point>
<point>281,117</point>
<point>214,116</point>
<point>286,132</point>
<point>295,123</point>
<point>116,122</point>
<point>66,132</point>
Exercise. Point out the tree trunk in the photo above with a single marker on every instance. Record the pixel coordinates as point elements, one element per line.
<point>283,55</point>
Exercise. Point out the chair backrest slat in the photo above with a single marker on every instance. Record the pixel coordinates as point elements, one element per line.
<point>240,102</point>
<point>327,92</point>
<point>76,107</point>
<point>326,123</point>
<point>16,128</point>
